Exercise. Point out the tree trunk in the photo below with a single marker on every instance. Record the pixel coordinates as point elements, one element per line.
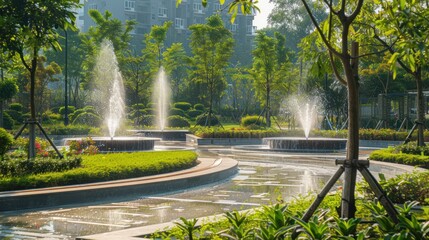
<point>420,108</point>
<point>32,133</point>
<point>348,208</point>
<point>268,107</point>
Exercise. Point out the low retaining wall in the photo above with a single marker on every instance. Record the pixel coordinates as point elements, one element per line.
<point>192,139</point>
<point>207,172</point>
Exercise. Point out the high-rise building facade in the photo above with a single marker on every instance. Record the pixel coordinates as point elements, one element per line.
<point>155,12</point>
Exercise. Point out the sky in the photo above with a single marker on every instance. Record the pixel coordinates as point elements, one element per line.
<point>260,20</point>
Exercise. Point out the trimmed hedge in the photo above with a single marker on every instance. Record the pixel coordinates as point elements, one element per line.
<point>106,167</point>
<point>177,111</point>
<point>200,107</point>
<point>16,107</point>
<point>193,113</point>
<point>185,106</point>
<point>87,118</point>
<point>178,121</point>
<point>253,120</point>
<point>81,129</point>
<point>390,155</point>
<point>6,141</point>
<point>22,167</point>
<point>70,109</point>
<point>8,122</point>
<point>202,119</point>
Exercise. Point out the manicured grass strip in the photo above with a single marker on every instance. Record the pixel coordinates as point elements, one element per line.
<point>104,167</point>
<point>389,155</point>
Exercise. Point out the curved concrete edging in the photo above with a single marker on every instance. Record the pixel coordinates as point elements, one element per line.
<point>209,170</point>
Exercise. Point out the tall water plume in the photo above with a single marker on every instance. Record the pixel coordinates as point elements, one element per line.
<point>306,110</point>
<point>108,88</point>
<point>161,97</point>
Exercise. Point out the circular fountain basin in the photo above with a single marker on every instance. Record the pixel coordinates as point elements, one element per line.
<point>166,135</point>
<point>121,144</point>
<point>296,144</point>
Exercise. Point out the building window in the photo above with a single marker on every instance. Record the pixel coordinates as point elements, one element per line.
<point>198,8</point>
<point>251,29</point>
<point>129,5</point>
<point>93,6</point>
<point>234,27</point>
<point>162,12</point>
<point>179,23</point>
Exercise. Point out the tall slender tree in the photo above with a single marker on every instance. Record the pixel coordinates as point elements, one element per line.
<point>27,26</point>
<point>212,46</point>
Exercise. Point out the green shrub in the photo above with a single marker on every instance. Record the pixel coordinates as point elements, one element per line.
<point>6,141</point>
<point>178,121</point>
<point>403,188</point>
<point>16,107</point>
<point>193,113</point>
<point>70,110</point>
<point>203,118</point>
<point>87,118</point>
<point>185,106</point>
<point>80,129</point>
<point>200,107</point>
<point>390,155</point>
<point>106,167</point>
<point>177,111</point>
<point>21,167</point>
<point>248,121</point>
<point>8,122</point>
<point>150,111</point>
<point>138,106</point>
<point>151,105</point>
<point>17,116</point>
<point>138,113</point>
<point>147,120</point>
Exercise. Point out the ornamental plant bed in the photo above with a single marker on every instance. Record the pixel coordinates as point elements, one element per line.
<point>105,167</point>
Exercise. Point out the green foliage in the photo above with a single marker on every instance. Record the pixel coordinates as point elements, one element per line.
<point>178,121</point>
<point>395,155</point>
<point>105,167</point>
<point>87,118</point>
<point>203,120</point>
<point>15,167</point>
<point>60,129</point>
<point>185,106</point>
<point>200,107</point>
<point>17,116</point>
<point>403,188</point>
<point>150,110</point>
<point>147,120</point>
<point>193,113</point>
<point>70,110</point>
<point>188,227</point>
<point>177,111</point>
<point>8,122</point>
<point>6,141</point>
<point>16,107</point>
<point>83,146</point>
<point>248,121</point>
<point>8,89</point>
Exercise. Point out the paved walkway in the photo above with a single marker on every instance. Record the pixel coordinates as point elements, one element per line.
<point>209,170</point>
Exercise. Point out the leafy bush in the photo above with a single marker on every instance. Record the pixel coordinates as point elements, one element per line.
<point>403,188</point>
<point>8,122</point>
<point>80,129</point>
<point>70,109</point>
<point>200,107</point>
<point>16,115</point>
<point>6,140</point>
<point>395,155</point>
<point>185,106</point>
<point>178,121</point>
<point>105,167</point>
<point>138,106</point>
<point>203,118</point>
<point>150,111</point>
<point>21,167</point>
<point>50,116</point>
<point>147,120</point>
<point>16,107</point>
<point>193,113</point>
<point>177,111</point>
<point>248,121</point>
<point>87,118</point>
<point>151,105</point>
<point>85,146</point>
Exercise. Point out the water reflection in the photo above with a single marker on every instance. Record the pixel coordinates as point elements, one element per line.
<point>262,179</point>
